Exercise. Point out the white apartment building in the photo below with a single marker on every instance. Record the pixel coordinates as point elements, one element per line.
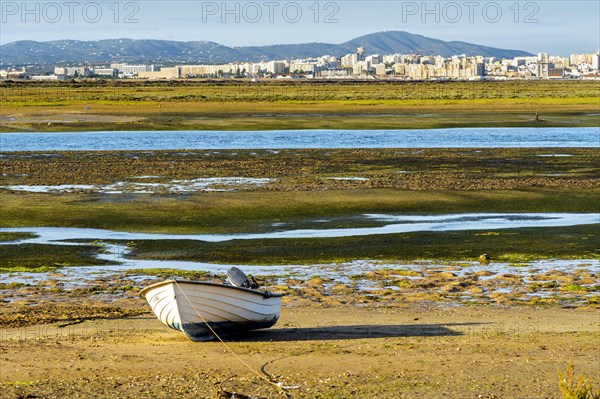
<point>105,72</point>
<point>127,69</point>
<point>303,67</point>
<point>348,61</point>
<point>275,67</point>
<point>380,69</point>
<point>72,71</point>
<point>163,73</point>
<point>596,61</point>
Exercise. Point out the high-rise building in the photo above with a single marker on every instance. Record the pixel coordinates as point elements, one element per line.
<point>374,59</point>
<point>596,61</point>
<point>275,67</point>
<point>360,54</point>
<point>542,66</point>
<point>348,61</point>
<point>380,70</point>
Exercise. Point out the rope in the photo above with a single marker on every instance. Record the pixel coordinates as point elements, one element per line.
<point>272,382</point>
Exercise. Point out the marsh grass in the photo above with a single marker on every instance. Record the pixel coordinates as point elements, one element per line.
<point>312,169</point>
<point>560,243</point>
<point>45,258</point>
<point>237,105</point>
<point>528,243</point>
<point>257,211</point>
<point>292,92</point>
<point>14,236</point>
<point>304,196</point>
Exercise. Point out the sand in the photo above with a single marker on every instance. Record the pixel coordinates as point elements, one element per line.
<point>408,351</point>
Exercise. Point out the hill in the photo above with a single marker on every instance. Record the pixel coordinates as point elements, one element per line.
<point>161,51</point>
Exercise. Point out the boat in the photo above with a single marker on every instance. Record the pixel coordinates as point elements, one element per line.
<point>204,311</point>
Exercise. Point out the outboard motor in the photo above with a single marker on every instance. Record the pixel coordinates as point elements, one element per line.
<point>238,278</point>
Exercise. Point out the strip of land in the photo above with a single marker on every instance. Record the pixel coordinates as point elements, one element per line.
<point>237,105</point>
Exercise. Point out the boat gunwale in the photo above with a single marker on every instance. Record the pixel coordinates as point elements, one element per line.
<point>265,294</point>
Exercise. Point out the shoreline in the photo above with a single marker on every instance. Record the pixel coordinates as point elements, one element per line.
<point>109,291</point>
<point>112,123</point>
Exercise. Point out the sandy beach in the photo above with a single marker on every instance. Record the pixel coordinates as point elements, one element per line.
<point>406,351</point>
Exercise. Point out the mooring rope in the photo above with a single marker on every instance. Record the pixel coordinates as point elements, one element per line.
<point>273,382</point>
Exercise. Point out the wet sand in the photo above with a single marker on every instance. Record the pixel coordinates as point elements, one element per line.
<point>410,351</point>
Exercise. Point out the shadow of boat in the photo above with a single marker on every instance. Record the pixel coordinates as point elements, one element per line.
<point>333,332</point>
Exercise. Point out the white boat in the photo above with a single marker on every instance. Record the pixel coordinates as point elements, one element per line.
<point>201,309</point>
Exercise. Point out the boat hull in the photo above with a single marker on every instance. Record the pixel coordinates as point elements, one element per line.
<point>201,309</point>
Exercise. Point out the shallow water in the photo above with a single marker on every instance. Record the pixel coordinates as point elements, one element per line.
<point>359,274</point>
<point>391,224</point>
<point>349,273</point>
<point>280,139</point>
<point>175,186</point>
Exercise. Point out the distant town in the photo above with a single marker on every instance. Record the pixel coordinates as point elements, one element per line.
<point>351,66</point>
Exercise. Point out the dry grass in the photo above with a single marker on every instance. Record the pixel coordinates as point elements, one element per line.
<point>576,386</point>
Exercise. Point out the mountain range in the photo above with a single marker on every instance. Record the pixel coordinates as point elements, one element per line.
<point>28,52</point>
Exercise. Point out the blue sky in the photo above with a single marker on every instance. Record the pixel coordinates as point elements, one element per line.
<point>554,26</point>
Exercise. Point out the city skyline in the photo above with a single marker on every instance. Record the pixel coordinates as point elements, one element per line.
<point>550,26</point>
<point>354,65</point>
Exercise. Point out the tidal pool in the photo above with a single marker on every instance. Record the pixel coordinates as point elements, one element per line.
<point>174,186</point>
